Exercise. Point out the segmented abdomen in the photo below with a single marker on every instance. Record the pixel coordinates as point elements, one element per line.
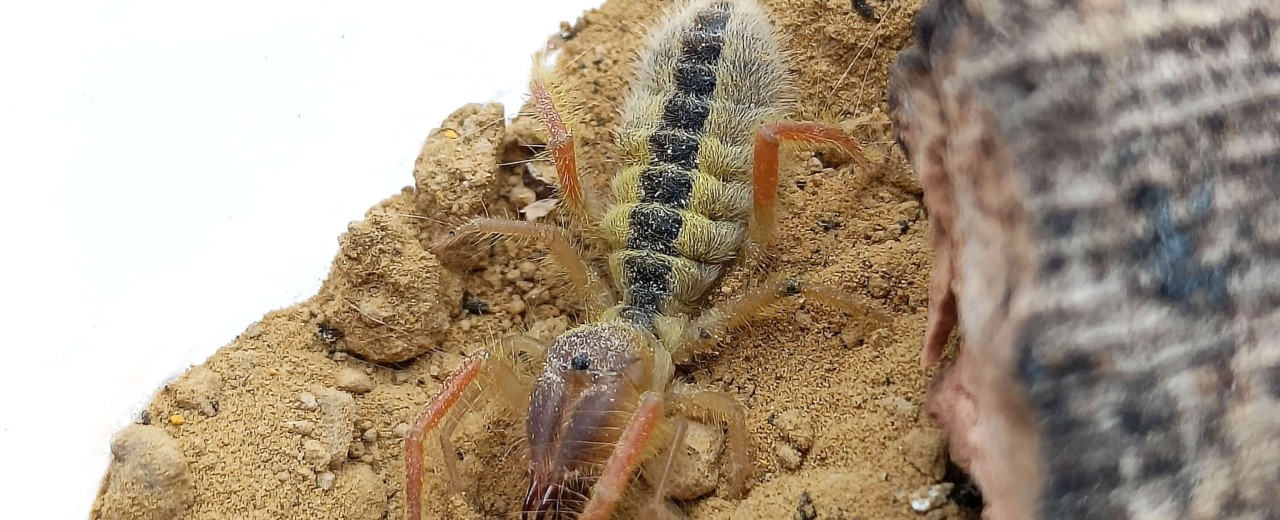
<point>709,77</point>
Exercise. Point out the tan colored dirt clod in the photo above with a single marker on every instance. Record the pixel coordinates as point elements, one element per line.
<point>198,389</point>
<point>386,295</point>
<point>454,172</point>
<point>147,480</point>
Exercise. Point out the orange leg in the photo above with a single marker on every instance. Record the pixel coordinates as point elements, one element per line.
<point>488,367</point>
<point>547,94</point>
<point>626,456</point>
<point>428,420</point>
<point>764,188</point>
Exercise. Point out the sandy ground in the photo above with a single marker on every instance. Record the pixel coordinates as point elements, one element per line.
<point>303,415</point>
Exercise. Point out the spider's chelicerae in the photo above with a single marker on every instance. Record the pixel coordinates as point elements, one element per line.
<point>699,143</point>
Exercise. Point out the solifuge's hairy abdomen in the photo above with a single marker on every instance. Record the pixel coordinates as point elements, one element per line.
<point>711,74</point>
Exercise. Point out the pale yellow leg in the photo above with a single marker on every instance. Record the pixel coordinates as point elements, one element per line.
<point>447,450</point>
<point>657,506</point>
<point>713,324</point>
<point>584,279</point>
<point>715,407</point>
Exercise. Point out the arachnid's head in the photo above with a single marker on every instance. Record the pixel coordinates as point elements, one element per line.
<point>588,390</point>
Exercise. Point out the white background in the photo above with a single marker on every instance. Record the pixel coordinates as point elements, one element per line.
<point>173,170</point>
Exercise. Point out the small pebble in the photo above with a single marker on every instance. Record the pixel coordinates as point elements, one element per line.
<point>850,338</point>
<point>804,321</point>
<point>400,430</point>
<point>148,477</point>
<point>925,449</point>
<point>300,427</point>
<point>695,470</point>
<point>335,427</point>
<point>788,457</point>
<point>527,269</point>
<point>909,210</point>
<point>254,330</point>
<point>198,389</point>
<point>548,329</point>
<point>314,453</point>
<point>517,306</point>
<point>307,401</point>
<point>364,495</point>
<point>283,476</point>
<point>805,509</point>
<point>340,356</point>
<point>796,428</point>
<point>356,450</point>
<point>544,311</point>
<point>566,31</point>
<point>364,424</point>
<point>537,296</point>
<point>929,498</point>
<point>370,435</point>
<point>176,420</point>
<point>324,480</point>
<point>878,287</point>
<point>898,404</point>
<point>354,380</point>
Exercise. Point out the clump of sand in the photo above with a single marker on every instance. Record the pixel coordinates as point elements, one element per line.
<point>148,477</point>
<point>301,417</point>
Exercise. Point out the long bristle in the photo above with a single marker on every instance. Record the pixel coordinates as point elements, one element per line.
<point>569,106</point>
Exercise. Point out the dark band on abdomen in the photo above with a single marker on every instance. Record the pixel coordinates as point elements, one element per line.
<point>648,277</point>
<point>666,184</point>
<point>676,140</point>
<point>654,227</point>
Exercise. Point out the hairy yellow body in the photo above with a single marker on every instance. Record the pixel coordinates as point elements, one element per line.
<point>712,74</point>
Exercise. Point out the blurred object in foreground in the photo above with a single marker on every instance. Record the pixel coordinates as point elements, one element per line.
<point>1103,179</point>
